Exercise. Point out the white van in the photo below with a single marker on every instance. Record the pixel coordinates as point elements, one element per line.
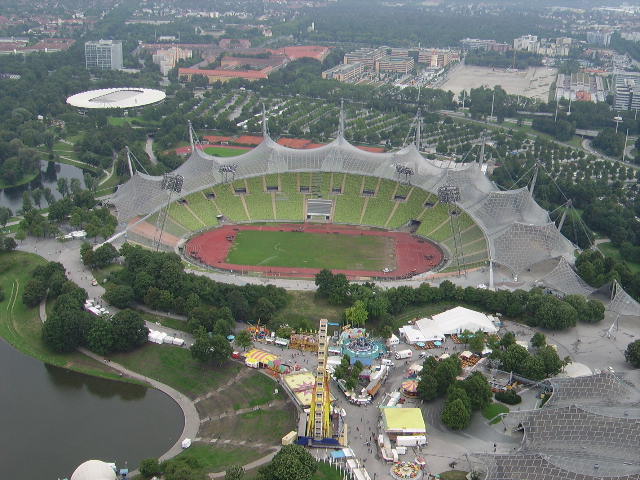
<point>387,362</point>
<point>403,354</point>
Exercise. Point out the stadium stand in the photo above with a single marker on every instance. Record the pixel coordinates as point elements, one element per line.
<point>180,213</point>
<point>349,204</point>
<point>230,204</point>
<point>259,203</point>
<point>204,208</point>
<point>379,207</point>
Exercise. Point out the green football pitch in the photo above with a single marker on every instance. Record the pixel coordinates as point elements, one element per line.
<point>225,152</point>
<point>312,250</point>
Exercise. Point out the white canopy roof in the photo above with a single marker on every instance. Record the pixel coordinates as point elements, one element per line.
<point>453,321</point>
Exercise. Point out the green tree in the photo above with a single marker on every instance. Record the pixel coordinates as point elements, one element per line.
<point>120,296</point>
<point>455,415</point>
<point>446,373</point>
<point>476,342</point>
<point>632,353</point>
<point>478,390</point>
<point>291,462</point>
<point>551,361</point>
<point>357,314</point>
<point>5,215</point>
<point>243,339</point>
<point>513,358</point>
<point>538,340</point>
<point>427,387</point>
<point>129,330</point>
<point>150,467</point>
<point>100,337</point>
<point>86,253</point>
<point>234,472</point>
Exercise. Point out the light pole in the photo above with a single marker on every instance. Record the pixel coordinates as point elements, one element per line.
<point>618,121</point>
<point>624,150</point>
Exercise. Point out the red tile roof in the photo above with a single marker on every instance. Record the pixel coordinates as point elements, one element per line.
<point>294,142</point>
<point>248,74</point>
<point>216,138</point>
<point>249,140</point>
<point>318,52</point>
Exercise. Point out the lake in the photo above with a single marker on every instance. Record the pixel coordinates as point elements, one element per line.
<point>54,419</point>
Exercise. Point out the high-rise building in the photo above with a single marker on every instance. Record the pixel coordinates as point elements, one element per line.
<point>627,91</point>
<point>599,37</point>
<point>103,54</point>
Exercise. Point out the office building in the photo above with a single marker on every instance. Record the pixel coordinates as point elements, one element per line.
<point>600,37</point>
<point>103,54</point>
<point>627,91</point>
<point>346,72</point>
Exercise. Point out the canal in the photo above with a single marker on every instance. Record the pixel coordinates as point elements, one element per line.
<point>53,419</point>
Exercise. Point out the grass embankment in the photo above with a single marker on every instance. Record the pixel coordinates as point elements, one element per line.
<point>291,249</point>
<point>493,409</point>
<point>216,459</point>
<point>454,475</point>
<point>609,250</point>
<point>21,326</point>
<point>176,367</point>
<point>27,178</point>
<point>225,151</point>
<point>220,390</point>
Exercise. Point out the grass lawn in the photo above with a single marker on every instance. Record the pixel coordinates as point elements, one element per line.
<point>305,305</point>
<point>326,472</point>
<point>175,367</point>
<point>609,250</point>
<point>493,409</point>
<point>454,475</point>
<point>118,121</point>
<point>292,249</point>
<point>225,152</point>
<point>21,326</point>
<point>217,459</point>
<point>165,321</point>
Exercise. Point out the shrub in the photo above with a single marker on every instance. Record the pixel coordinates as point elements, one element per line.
<point>509,397</point>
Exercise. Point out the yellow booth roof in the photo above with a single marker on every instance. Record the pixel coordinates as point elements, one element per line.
<point>404,420</point>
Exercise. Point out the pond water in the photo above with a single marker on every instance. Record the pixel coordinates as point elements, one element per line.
<point>50,172</point>
<point>53,419</point>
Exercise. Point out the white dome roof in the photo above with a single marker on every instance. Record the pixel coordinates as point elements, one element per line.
<point>94,470</point>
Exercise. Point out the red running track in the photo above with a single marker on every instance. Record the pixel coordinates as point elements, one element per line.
<point>414,255</point>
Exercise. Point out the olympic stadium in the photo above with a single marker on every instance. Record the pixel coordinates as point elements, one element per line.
<point>454,206</point>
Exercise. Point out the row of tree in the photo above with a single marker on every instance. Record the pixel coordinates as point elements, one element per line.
<point>535,307</point>
<point>159,281</point>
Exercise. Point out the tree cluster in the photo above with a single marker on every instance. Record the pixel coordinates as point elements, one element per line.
<point>523,60</point>
<point>100,257</point>
<point>438,378</point>
<point>291,462</point>
<point>349,373</point>
<point>159,281</point>
<point>610,142</point>
<point>562,129</point>
<point>543,363</point>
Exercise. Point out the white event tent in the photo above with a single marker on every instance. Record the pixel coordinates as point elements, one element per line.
<point>453,321</point>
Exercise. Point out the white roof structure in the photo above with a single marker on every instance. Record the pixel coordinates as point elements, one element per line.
<point>413,335</point>
<point>94,470</point>
<point>116,98</point>
<point>518,231</point>
<point>455,321</point>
